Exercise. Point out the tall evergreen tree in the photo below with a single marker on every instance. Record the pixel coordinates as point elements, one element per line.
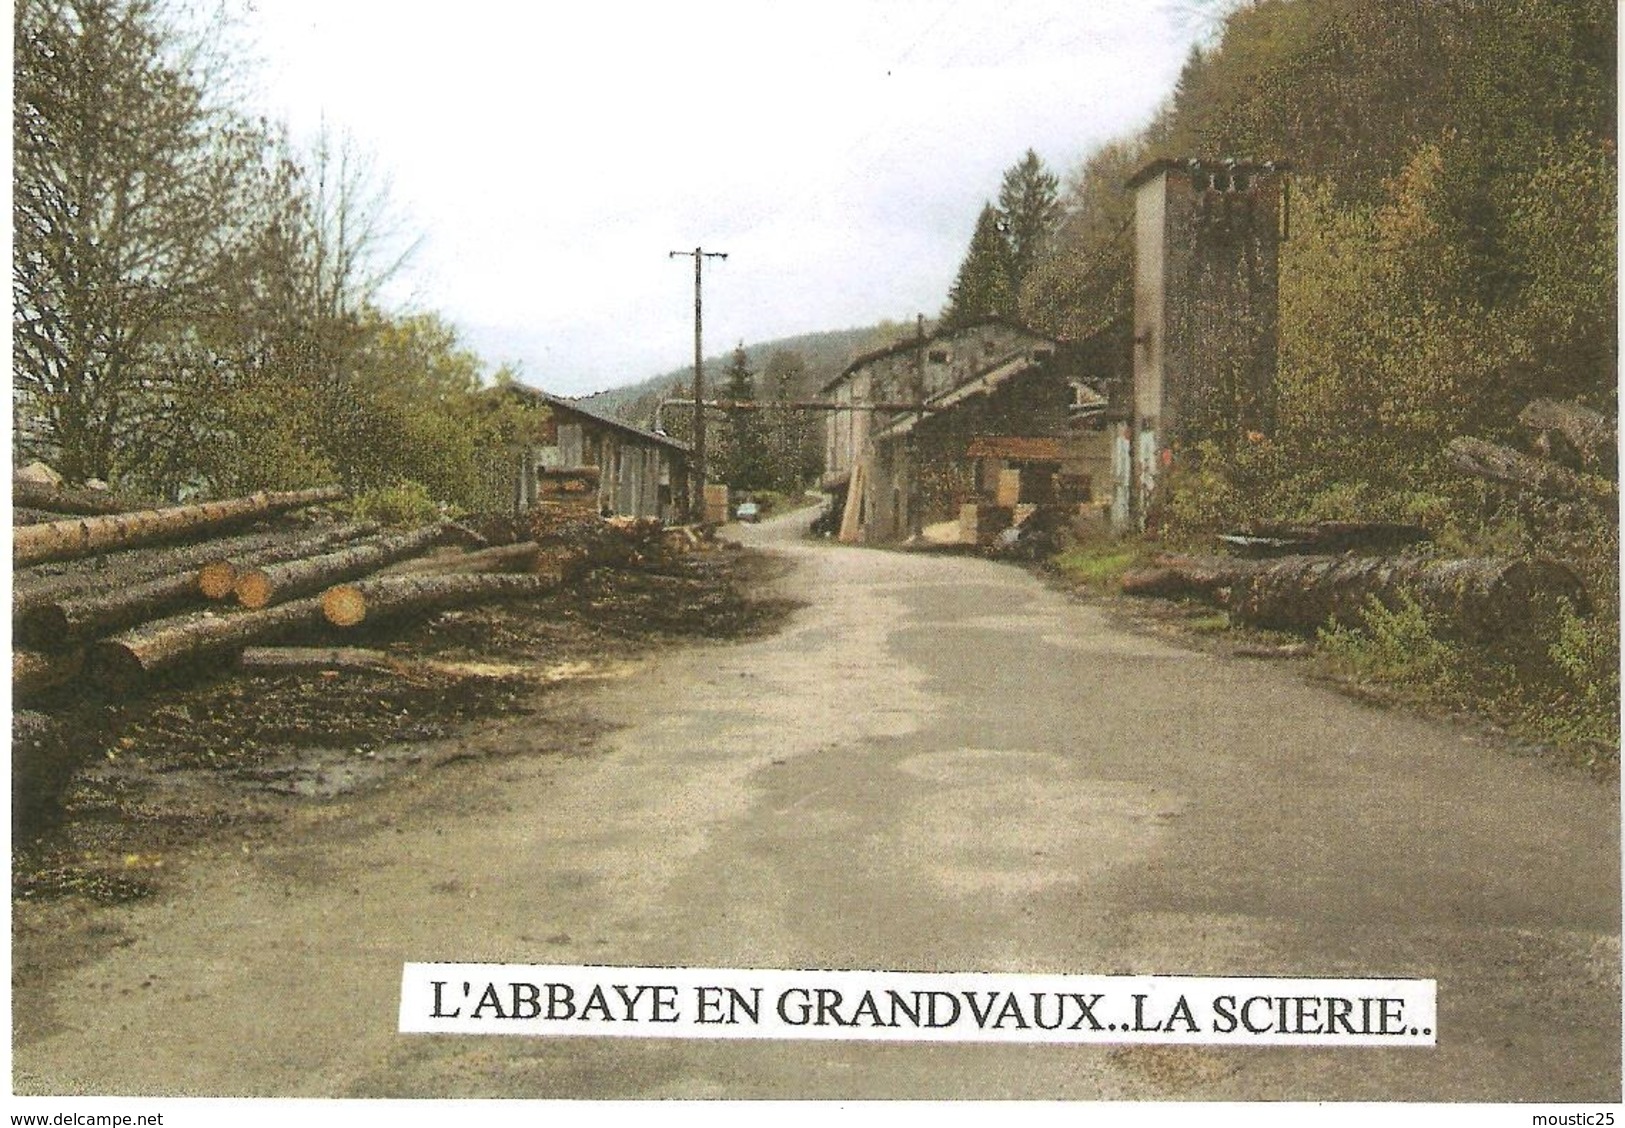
<point>745,461</point>
<point>983,287</point>
<point>1029,211</point>
<point>791,434</point>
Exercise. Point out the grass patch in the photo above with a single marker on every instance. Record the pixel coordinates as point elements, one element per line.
<point>1213,623</point>
<point>1395,647</point>
<point>1096,565</point>
<point>1561,692</point>
<point>403,504</point>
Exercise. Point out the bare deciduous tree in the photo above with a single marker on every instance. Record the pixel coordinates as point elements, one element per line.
<point>128,184</point>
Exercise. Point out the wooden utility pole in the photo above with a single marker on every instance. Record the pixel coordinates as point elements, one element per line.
<point>696,501</point>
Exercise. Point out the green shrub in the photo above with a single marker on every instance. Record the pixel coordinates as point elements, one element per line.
<point>1096,565</point>
<point>1398,647</point>
<point>405,503</point>
<point>1581,705</point>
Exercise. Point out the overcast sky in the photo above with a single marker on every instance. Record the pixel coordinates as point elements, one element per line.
<point>550,155</point>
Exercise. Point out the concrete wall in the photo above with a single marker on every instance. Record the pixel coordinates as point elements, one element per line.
<point>846,433</point>
<point>911,372</point>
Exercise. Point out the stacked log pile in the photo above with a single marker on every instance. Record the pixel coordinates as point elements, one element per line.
<point>105,600</point>
<point>233,588</point>
<point>88,536</point>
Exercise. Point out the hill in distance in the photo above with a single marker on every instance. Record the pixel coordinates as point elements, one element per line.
<point>825,354</point>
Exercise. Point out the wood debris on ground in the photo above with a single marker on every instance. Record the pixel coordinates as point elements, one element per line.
<point>285,635</point>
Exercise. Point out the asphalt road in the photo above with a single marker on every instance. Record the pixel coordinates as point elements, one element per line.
<point>939,765</point>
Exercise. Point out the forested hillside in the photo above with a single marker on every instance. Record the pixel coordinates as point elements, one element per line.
<point>1451,253</point>
<point>822,357</point>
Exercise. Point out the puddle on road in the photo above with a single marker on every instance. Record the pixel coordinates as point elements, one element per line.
<point>321,774</point>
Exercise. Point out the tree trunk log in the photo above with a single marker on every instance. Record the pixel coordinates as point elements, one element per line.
<point>63,540</point>
<point>1536,475</point>
<point>33,672</point>
<point>1480,599</point>
<point>1477,599</point>
<point>348,605</point>
<point>293,658</point>
<point>67,499</point>
<point>1373,538</point>
<point>1195,577</point>
<point>468,537</point>
<point>124,661</point>
<point>70,579</point>
<point>1588,433</point>
<point>217,579</point>
<point>503,558</point>
<point>83,616</point>
<point>277,583</point>
<point>64,622</point>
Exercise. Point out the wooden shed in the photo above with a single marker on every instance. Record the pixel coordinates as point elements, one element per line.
<point>638,473</point>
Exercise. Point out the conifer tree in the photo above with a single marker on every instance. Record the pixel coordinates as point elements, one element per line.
<point>746,461</point>
<point>1029,211</point>
<point>983,287</point>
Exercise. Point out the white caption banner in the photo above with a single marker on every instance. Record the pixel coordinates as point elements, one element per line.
<point>653,1002</point>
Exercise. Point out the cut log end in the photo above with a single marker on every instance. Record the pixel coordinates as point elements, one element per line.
<point>45,627</point>
<point>254,589</point>
<point>349,604</point>
<point>344,605</point>
<point>33,672</point>
<point>217,579</point>
<point>116,667</point>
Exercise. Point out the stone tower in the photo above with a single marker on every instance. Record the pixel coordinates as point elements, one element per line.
<point>1206,299</point>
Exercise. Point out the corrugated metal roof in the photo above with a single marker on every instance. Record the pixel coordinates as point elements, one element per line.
<point>575,408</point>
<point>919,342</point>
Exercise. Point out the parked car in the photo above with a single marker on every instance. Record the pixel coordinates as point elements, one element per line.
<point>747,511</point>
